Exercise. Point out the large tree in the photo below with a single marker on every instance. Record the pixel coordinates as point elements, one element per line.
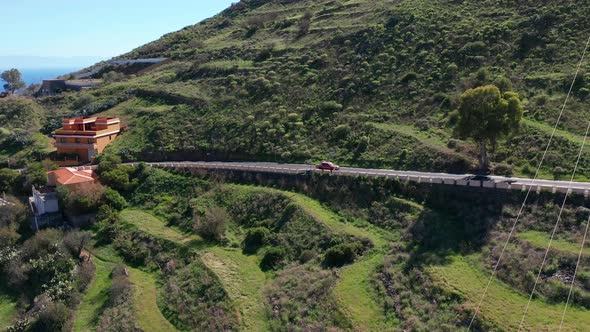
<point>485,115</point>
<point>13,80</point>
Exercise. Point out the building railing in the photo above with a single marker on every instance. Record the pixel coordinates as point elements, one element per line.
<point>76,145</point>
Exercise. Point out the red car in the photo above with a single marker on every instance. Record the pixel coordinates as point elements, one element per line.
<point>328,166</point>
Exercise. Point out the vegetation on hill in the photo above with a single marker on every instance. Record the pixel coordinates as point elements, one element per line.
<point>294,81</point>
<point>372,83</point>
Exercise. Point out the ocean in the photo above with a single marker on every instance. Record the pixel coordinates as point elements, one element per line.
<point>34,76</point>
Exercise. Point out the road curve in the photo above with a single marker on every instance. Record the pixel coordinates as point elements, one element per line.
<point>493,182</point>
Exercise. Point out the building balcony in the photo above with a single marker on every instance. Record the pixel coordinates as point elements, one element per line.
<point>67,132</point>
<point>87,146</point>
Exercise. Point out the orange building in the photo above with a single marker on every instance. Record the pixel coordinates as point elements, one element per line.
<point>81,139</point>
<point>70,177</point>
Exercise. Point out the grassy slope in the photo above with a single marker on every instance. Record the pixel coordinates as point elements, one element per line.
<point>239,274</point>
<point>148,315</point>
<point>93,302</point>
<point>503,306</point>
<point>243,280</point>
<point>541,240</point>
<point>7,309</point>
<point>353,291</point>
<point>155,227</point>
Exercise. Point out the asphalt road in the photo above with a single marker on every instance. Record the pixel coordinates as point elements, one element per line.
<point>492,182</point>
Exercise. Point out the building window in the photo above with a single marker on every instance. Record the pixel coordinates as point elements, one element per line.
<point>78,140</point>
<point>90,141</point>
<point>63,140</point>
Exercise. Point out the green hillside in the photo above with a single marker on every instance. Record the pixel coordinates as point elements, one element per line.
<point>370,83</point>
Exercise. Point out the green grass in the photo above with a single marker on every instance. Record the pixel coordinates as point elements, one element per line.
<point>155,227</point>
<point>95,298</point>
<point>327,217</point>
<point>547,129</point>
<point>147,313</point>
<point>357,297</point>
<point>8,309</point>
<point>239,274</point>
<point>541,240</point>
<point>353,290</point>
<point>243,280</point>
<point>503,306</point>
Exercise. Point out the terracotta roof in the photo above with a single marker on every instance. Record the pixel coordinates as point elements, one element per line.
<point>68,176</point>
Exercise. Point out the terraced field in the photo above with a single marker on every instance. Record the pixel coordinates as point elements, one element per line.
<point>503,305</point>
<point>541,240</point>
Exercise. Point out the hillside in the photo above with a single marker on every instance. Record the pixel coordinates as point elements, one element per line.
<point>367,83</point>
<point>359,82</point>
<point>209,253</point>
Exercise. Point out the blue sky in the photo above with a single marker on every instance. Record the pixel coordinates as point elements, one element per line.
<point>94,28</point>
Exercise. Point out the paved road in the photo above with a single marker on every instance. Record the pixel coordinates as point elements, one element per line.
<point>493,182</point>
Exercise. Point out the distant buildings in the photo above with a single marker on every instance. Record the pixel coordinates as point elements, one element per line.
<point>55,86</point>
<point>81,139</point>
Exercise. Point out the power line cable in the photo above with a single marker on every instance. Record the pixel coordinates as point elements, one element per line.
<point>569,187</point>
<point>575,273</point>
<point>529,189</point>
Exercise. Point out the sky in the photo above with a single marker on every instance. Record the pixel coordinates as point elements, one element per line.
<point>89,30</point>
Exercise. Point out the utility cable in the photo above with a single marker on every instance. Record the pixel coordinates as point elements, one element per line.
<point>569,187</point>
<point>575,273</point>
<point>529,189</point>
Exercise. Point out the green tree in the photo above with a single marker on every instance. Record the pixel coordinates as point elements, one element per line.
<point>8,179</point>
<point>13,80</point>
<point>485,115</point>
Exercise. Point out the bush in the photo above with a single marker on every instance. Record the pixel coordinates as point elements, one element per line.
<point>8,179</point>
<point>81,199</point>
<point>107,226</point>
<point>55,317</point>
<point>272,259</point>
<point>117,178</point>
<point>256,238</point>
<point>114,199</point>
<point>306,256</point>
<point>107,162</point>
<point>211,226</point>
<point>342,254</point>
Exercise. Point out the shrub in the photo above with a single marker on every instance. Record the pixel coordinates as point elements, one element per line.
<point>117,178</point>
<point>504,170</point>
<point>342,131</point>
<point>211,226</point>
<point>81,199</point>
<point>307,255</point>
<point>114,199</point>
<point>342,254</point>
<point>272,259</point>
<point>107,226</point>
<point>193,299</point>
<point>558,172</point>
<point>55,317</point>
<point>107,162</point>
<point>256,238</point>
<point>8,179</point>
<point>300,299</point>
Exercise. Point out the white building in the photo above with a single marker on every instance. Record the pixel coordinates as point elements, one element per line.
<point>43,202</point>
